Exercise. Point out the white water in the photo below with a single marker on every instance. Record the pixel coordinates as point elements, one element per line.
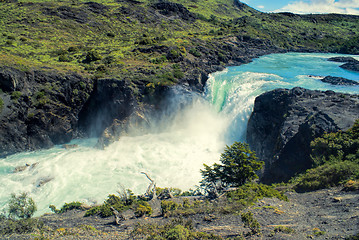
<point>174,150</point>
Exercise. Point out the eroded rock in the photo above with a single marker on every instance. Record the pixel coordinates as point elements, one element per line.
<point>284,122</point>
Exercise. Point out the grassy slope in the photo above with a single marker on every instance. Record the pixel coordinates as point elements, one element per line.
<point>36,34</point>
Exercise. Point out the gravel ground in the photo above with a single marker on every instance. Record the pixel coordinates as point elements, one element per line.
<point>323,214</point>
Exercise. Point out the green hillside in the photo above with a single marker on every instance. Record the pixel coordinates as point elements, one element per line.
<point>103,37</point>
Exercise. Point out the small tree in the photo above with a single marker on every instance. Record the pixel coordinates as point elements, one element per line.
<point>239,165</point>
<point>21,206</point>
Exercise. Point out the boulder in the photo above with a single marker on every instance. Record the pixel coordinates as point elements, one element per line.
<point>339,81</point>
<point>284,122</point>
<point>342,59</point>
<point>352,66</point>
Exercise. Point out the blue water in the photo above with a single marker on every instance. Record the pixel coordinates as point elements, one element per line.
<point>174,152</point>
<point>232,91</point>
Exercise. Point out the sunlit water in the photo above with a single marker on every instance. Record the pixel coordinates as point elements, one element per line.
<point>174,150</point>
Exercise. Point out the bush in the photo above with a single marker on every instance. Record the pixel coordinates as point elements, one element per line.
<point>143,208</point>
<point>167,206</point>
<point>250,222</point>
<point>284,229</point>
<point>21,226</point>
<point>1,104</point>
<point>251,192</point>
<point>21,206</point>
<point>327,175</point>
<point>179,232</point>
<point>92,56</point>
<point>119,203</point>
<point>67,207</point>
<point>239,165</point>
<point>65,58</point>
<point>194,52</point>
<point>15,95</point>
<point>335,147</point>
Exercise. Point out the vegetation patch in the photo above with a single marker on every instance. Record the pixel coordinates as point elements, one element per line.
<point>178,229</point>
<point>335,160</point>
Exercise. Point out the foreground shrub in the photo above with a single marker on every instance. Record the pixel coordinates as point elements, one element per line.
<point>67,207</point>
<point>9,226</point>
<point>249,193</point>
<point>21,206</point>
<point>143,208</point>
<point>176,230</point>
<point>238,166</point>
<point>335,147</point>
<point>327,175</point>
<point>250,222</point>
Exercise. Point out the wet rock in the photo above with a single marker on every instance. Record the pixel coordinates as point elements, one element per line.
<point>342,59</point>
<point>284,122</point>
<point>352,66</point>
<point>21,168</point>
<point>111,99</point>
<point>24,167</point>
<point>42,181</point>
<point>339,81</point>
<point>70,146</point>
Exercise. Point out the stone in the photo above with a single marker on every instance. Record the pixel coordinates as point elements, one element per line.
<point>284,122</point>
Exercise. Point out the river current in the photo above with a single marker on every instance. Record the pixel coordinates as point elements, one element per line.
<point>172,153</point>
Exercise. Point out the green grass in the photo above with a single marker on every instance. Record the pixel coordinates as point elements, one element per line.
<point>35,34</point>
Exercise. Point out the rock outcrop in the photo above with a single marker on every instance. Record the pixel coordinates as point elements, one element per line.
<point>350,63</point>
<point>284,122</point>
<point>40,108</point>
<point>339,81</point>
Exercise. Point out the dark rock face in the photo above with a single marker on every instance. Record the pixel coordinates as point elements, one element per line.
<point>284,122</point>
<point>174,9</point>
<point>44,113</point>
<point>111,99</point>
<point>339,81</point>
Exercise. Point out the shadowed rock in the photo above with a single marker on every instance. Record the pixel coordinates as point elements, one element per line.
<point>339,81</point>
<point>284,122</point>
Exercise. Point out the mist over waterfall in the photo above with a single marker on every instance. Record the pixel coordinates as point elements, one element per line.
<point>193,130</point>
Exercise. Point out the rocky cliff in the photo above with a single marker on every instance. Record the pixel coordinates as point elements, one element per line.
<point>40,108</point>
<point>284,122</point>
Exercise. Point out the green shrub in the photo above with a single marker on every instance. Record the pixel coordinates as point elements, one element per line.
<point>178,232</point>
<point>177,229</point>
<point>167,206</point>
<point>327,175</point>
<point>251,192</point>
<point>15,95</point>
<point>143,208</point>
<point>250,222</point>
<point>194,52</point>
<point>67,207</point>
<point>65,58</point>
<point>92,56</point>
<point>119,203</point>
<point>21,206</point>
<point>22,226</point>
<point>284,229</point>
<point>238,166</point>
<point>335,147</point>
<point>1,104</point>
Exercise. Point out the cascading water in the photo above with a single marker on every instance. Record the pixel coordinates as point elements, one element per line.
<point>194,131</point>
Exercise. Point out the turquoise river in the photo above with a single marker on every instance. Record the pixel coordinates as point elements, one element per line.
<point>172,153</point>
